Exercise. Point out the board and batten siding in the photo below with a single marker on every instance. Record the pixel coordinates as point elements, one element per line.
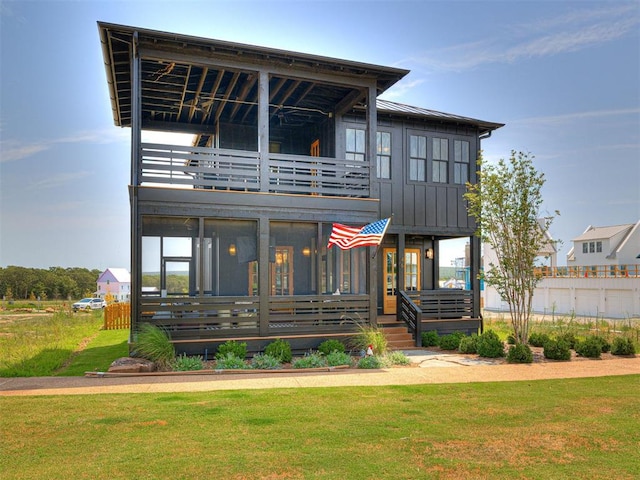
<point>437,207</point>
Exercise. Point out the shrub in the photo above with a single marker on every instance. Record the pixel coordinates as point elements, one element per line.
<point>538,339</point>
<point>336,358</point>
<point>569,338</point>
<point>511,339</point>
<point>490,345</point>
<point>430,338</point>
<point>519,353</point>
<point>370,362</point>
<point>265,362</point>
<point>395,358</point>
<point>154,344</point>
<point>606,346</point>
<point>185,363</point>
<point>557,349</point>
<point>329,346</point>
<point>451,341</point>
<point>590,347</point>
<point>280,349</point>
<point>232,347</point>
<point>623,346</point>
<point>230,362</point>
<point>469,344</point>
<point>313,360</point>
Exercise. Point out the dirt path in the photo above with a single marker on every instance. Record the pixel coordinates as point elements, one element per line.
<point>444,370</point>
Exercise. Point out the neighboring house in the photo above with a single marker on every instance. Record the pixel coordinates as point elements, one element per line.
<point>601,279</point>
<point>229,235</point>
<point>546,259</point>
<point>117,282</point>
<point>616,246</point>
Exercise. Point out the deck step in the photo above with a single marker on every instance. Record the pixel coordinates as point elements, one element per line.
<point>398,337</point>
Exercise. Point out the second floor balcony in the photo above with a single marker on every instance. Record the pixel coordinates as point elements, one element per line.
<point>175,166</point>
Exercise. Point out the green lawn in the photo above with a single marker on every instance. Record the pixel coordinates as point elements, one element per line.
<point>560,429</point>
<point>40,344</point>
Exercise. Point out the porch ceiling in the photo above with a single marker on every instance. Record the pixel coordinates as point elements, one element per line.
<point>197,83</point>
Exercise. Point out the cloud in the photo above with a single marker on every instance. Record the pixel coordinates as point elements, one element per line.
<point>400,89</point>
<point>12,150</point>
<point>58,180</point>
<point>566,118</point>
<point>574,31</point>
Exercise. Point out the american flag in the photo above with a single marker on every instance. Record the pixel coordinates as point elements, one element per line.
<point>350,237</point>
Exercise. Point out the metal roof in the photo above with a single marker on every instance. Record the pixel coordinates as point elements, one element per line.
<point>199,82</point>
<point>395,108</point>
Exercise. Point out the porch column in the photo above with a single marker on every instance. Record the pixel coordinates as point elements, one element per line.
<point>263,129</point>
<point>136,229</point>
<point>264,287</point>
<point>473,273</point>
<point>372,144</point>
<point>400,277</point>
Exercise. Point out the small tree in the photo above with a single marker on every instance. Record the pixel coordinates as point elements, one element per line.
<point>506,203</point>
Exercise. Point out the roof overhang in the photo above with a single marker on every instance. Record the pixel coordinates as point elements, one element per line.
<point>187,79</point>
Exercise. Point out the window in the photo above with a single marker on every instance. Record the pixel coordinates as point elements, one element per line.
<point>592,247</point>
<point>417,158</point>
<point>461,162</point>
<point>440,160</point>
<point>599,247</point>
<point>343,270</point>
<point>355,147</point>
<point>383,141</point>
<point>585,247</point>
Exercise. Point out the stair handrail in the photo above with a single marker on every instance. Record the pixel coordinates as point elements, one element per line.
<point>411,314</point>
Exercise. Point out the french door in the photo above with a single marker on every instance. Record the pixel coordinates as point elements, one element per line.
<point>411,276</point>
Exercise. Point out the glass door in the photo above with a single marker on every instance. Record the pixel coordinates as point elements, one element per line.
<point>390,271</point>
<point>411,276</point>
<point>282,272</point>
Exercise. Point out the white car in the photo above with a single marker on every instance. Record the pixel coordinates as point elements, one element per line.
<point>89,304</point>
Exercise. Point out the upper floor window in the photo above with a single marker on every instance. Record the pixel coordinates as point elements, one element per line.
<point>417,158</point>
<point>356,141</point>
<point>592,247</point>
<point>383,141</point>
<point>461,162</point>
<point>440,161</point>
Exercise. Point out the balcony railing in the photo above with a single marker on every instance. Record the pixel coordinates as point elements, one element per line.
<point>240,170</point>
<point>590,271</point>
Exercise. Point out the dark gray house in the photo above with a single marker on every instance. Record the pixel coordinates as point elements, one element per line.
<point>229,233</point>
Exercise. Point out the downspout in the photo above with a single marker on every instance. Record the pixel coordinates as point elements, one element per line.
<point>477,250</point>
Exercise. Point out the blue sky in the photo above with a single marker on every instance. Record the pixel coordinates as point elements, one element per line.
<point>564,77</point>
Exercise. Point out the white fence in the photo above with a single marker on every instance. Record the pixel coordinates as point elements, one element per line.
<point>584,297</point>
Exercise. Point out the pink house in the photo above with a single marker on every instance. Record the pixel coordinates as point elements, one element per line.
<point>117,282</point>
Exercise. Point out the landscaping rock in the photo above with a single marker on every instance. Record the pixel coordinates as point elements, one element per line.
<point>132,365</point>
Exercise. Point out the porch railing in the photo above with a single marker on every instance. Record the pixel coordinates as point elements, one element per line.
<point>211,317</point>
<point>239,170</point>
<point>590,271</point>
<point>443,309</point>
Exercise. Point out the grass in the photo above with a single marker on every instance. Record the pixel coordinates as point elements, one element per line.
<point>578,429</point>
<point>555,429</point>
<point>107,346</point>
<point>40,344</point>
<point>581,327</point>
